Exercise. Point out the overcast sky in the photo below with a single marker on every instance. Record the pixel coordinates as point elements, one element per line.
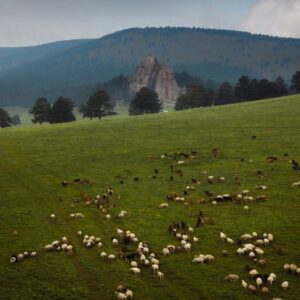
<point>31,22</point>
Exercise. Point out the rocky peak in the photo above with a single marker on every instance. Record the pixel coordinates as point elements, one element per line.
<point>160,78</point>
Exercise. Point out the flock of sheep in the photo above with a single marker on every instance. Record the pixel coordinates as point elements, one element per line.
<point>250,245</point>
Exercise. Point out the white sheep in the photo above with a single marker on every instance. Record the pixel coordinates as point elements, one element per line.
<point>103,255</point>
<point>223,236</point>
<point>285,285</point>
<point>52,217</point>
<point>295,184</point>
<point>160,275</point>
<point>107,217</point>
<point>155,268</point>
<point>259,251</point>
<point>246,208</point>
<point>115,242</point>
<point>129,294</point>
<point>119,232</point>
<point>49,247</point>
<point>165,251</point>
<point>121,215</point>
<point>195,239</point>
<point>230,241</point>
<point>171,248</point>
<point>259,282</point>
<point>198,260</point>
<point>111,257</point>
<point>246,236</point>
<point>133,264</point>
<point>121,296</point>
<point>13,260</point>
<point>232,277</point>
<point>187,247</point>
<point>163,205</point>
<point>253,273</point>
<point>240,251</point>
<point>33,254</point>
<point>99,245</point>
<point>244,284</point>
<point>154,261</point>
<point>64,239</point>
<point>136,271</point>
<point>79,216</point>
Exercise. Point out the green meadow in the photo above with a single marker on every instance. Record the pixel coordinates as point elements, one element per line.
<point>34,160</point>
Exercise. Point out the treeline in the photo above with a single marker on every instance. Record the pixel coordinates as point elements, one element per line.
<point>246,89</point>
<point>7,121</point>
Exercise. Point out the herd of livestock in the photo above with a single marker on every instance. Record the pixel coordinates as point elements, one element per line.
<point>250,246</point>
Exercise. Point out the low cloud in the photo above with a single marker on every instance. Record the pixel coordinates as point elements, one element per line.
<point>274,17</point>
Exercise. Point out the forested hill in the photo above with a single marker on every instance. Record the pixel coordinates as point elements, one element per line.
<point>210,54</point>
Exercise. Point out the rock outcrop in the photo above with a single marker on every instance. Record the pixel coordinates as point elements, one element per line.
<point>160,78</point>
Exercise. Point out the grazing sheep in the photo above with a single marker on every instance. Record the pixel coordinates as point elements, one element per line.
<point>246,236</point>
<point>120,232</point>
<point>121,296</point>
<point>187,247</point>
<point>195,239</point>
<point>64,239</point>
<point>52,217</point>
<point>253,273</point>
<point>136,271</point>
<point>155,268</point>
<point>160,275</point>
<point>285,285</point>
<point>232,277</point>
<point>107,217</point>
<point>166,252</point>
<point>252,288</point>
<point>103,255</point>
<point>79,216</point>
<point>264,290</point>
<point>293,268</point>
<point>199,260</point>
<point>163,205</point>
<point>223,236</point>
<point>262,262</point>
<point>240,251</point>
<point>230,241</point>
<point>270,280</point>
<point>259,251</point>
<point>115,242</point>
<point>111,257</point>
<point>286,268</point>
<point>295,184</point>
<point>244,284</point>
<point>49,247</point>
<point>33,254</point>
<point>133,264</point>
<point>13,259</point>
<point>129,294</point>
<point>225,253</point>
<point>246,208</point>
<point>258,282</point>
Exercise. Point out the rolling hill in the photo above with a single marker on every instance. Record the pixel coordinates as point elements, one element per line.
<point>34,161</point>
<point>51,70</point>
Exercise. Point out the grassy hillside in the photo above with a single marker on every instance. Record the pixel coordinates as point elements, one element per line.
<point>194,50</point>
<point>34,161</point>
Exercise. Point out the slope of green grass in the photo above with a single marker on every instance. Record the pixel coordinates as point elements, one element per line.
<point>34,160</point>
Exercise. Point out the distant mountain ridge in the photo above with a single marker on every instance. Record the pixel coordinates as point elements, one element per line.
<point>47,70</point>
